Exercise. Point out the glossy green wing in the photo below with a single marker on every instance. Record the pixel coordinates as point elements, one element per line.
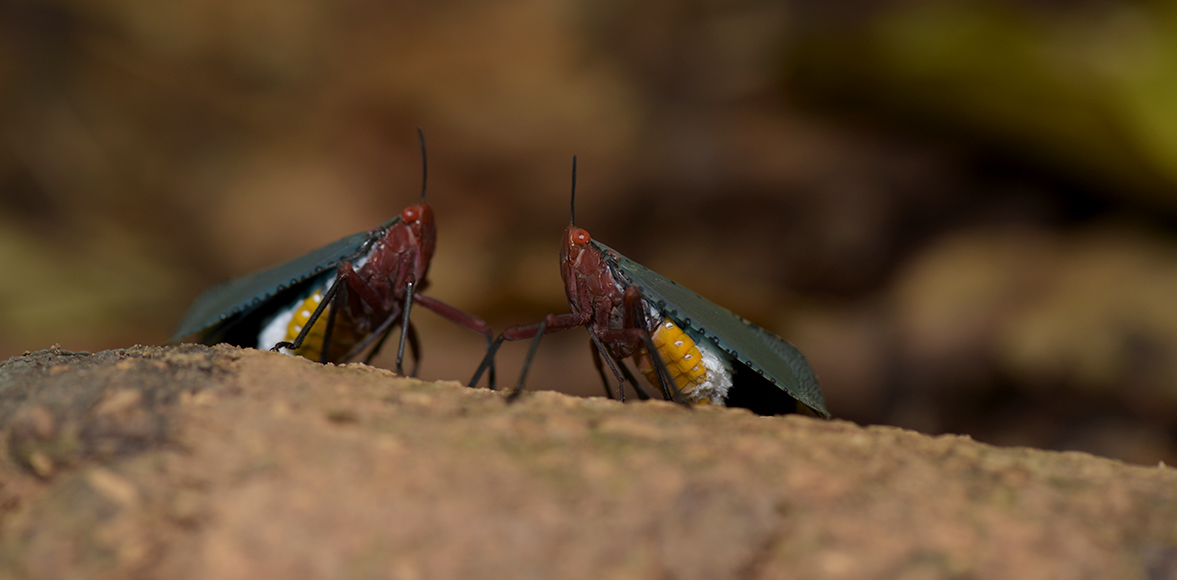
<point>765,353</point>
<point>237,297</point>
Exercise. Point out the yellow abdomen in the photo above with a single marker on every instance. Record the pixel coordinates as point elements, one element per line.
<point>681,356</point>
<point>312,345</point>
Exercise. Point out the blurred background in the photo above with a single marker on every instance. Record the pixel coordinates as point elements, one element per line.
<point>962,212</point>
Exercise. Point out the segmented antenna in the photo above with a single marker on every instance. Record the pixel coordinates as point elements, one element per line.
<point>572,212</point>
<point>424,163</point>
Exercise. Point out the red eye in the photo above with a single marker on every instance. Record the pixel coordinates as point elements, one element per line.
<point>411,213</point>
<point>580,236</point>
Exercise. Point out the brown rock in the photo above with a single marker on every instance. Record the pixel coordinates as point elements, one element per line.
<point>230,463</point>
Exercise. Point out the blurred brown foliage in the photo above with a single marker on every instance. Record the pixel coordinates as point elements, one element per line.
<point>962,212</point>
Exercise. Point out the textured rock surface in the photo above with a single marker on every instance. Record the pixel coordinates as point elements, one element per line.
<point>192,462</point>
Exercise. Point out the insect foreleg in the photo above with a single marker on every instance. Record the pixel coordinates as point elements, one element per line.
<point>551,323</point>
<point>460,318</point>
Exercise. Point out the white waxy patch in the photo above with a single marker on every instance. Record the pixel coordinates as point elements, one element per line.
<point>275,330</point>
<point>719,374</point>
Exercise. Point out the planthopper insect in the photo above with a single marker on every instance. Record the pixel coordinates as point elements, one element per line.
<point>706,354</point>
<point>366,284</point>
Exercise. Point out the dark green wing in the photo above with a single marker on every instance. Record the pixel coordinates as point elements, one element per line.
<point>765,353</point>
<point>237,297</point>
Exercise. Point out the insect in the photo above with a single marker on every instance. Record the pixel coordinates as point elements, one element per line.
<point>705,354</point>
<point>367,284</point>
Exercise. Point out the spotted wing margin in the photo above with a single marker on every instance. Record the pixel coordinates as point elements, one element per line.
<point>765,353</point>
<point>222,304</point>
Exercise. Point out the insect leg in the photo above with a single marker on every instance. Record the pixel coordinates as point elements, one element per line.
<point>551,323</point>
<point>328,298</point>
<point>415,348</point>
<point>490,377</point>
<point>400,350</point>
<point>378,336</point>
<point>487,362</point>
<point>597,348</point>
<point>636,318</point>
<point>637,387</point>
<point>327,332</point>
<point>527,361</point>
<point>463,319</point>
<point>383,332</point>
<point>359,286</point>
<point>346,274</point>
<point>630,335</point>
<point>601,368</point>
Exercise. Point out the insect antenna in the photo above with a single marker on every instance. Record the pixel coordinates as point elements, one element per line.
<point>424,162</point>
<point>572,211</point>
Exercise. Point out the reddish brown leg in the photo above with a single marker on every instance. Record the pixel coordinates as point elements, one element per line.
<point>360,288</point>
<point>454,315</point>
<point>551,323</point>
<point>463,319</point>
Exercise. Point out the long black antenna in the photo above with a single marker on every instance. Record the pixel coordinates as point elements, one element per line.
<point>572,212</point>
<point>424,163</point>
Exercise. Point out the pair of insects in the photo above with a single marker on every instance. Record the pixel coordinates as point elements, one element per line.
<point>690,349</point>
